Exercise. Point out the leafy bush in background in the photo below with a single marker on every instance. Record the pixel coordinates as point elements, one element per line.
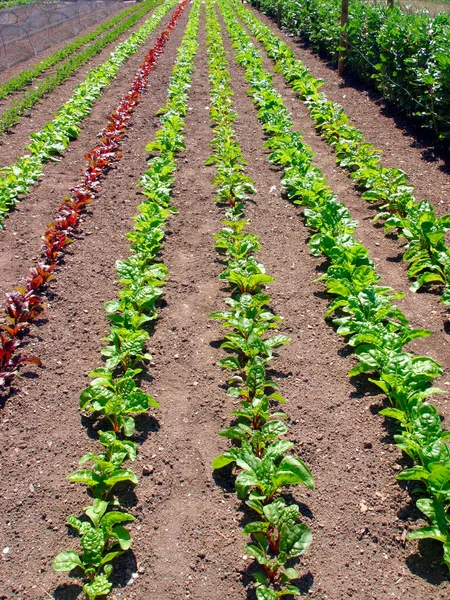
<point>406,56</point>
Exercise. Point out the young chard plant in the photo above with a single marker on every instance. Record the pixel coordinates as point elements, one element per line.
<point>363,310</point>
<point>114,396</point>
<point>261,456</point>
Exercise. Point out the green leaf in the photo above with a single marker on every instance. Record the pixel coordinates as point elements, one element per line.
<point>85,476</point>
<point>100,586</point>
<point>114,517</point>
<point>222,461</point>
<point>447,554</point>
<point>121,475</point>
<point>256,527</point>
<point>96,511</point>
<point>290,573</point>
<point>416,473</point>
<point>66,561</point>
<point>394,413</point>
<point>423,533</point>
<point>295,540</point>
<point>258,554</point>
<point>123,536</point>
<point>294,471</point>
<point>109,557</point>
<point>129,426</point>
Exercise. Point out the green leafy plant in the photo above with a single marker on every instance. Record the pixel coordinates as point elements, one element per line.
<point>102,539</point>
<point>116,398</point>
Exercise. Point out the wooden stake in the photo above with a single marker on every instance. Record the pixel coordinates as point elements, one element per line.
<point>343,40</point>
<point>278,14</point>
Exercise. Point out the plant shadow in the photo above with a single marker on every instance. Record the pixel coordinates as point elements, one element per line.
<point>67,591</point>
<point>427,562</point>
<point>124,566</point>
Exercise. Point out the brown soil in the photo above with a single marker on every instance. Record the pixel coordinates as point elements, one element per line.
<point>187,539</point>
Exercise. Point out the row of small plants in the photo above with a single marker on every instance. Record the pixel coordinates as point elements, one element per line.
<point>25,304</point>
<point>424,232</point>
<point>362,310</point>
<point>56,135</point>
<point>114,397</point>
<point>24,78</point>
<point>11,116</point>
<point>406,56</point>
<point>261,455</point>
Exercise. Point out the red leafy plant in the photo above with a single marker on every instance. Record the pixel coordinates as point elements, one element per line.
<point>10,359</point>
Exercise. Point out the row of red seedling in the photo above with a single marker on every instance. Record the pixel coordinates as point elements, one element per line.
<point>26,303</point>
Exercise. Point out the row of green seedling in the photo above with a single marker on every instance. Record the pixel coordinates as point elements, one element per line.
<point>21,80</point>
<point>362,310</point>
<point>56,135</point>
<point>114,397</point>
<point>260,453</point>
<point>11,116</point>
<point>426,250</point>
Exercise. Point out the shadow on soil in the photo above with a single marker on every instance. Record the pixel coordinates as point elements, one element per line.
<point>7,394</point>
<point>426,564</point>
<point>124,566</point>
<point>69,591</point>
